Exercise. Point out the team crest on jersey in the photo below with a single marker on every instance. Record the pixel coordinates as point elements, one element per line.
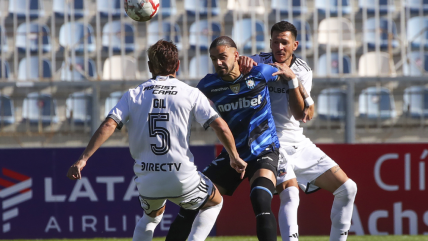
<point>235,88</point>
<point>282,172</point>
<point>250,84</point>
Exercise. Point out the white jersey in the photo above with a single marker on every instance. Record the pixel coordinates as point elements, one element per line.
<point>158,115</point>
<point>287,128</point>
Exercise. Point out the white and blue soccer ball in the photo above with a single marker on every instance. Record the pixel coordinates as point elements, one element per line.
<point>141,10</point>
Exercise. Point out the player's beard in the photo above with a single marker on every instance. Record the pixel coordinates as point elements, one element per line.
<point>228,71</point>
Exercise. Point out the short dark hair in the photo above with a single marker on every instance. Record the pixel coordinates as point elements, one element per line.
<point>223,40</point>
<point>284,26</point>
<point>163,56</point>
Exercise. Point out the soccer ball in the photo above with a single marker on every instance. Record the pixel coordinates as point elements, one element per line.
<point>141,10</point>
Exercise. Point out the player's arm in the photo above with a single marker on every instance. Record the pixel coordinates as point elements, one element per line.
<point>225,136</point>
<point>103,132</point>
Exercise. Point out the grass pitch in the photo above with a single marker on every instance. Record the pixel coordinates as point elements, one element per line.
<point>248,238</point>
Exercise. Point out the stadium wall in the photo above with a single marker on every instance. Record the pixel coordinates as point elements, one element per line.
<point>38,201</point>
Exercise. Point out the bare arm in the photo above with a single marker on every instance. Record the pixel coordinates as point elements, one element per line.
<point>105,130</point>
<point>246,64</point>
<point>225,136</point>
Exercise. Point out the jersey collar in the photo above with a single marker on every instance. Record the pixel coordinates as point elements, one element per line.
<point>163,78</point>
<point>231,82</point>
<point>293,59</point>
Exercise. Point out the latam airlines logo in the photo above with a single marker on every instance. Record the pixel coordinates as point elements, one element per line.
<point>15,190</point>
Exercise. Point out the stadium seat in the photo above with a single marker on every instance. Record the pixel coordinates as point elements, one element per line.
<point>76,71</point>
<point>370,33</point>
<point>328,33</point>
<point>331,104</point>
<point>112,36</point>
<point>168,7</point>
<point>323,65</point>
<point>155,32</point>
<point>200,29</point>
<point>415,5</point>
<point>3,40</point>
<point>199,67</point>
<point>40,107</point>
<point>370,5</point>
<point>29,69</point>
<point>242,34</point>
<point>6,69</point>
<point>106,7</point>
<point>79,107</point>
<point>62,7</point>
<point>7,111</point>
<point>298,24</point>
<point>284,5</point>
<point>370,64</point>
<point>332,6</point>
<point>246,6</point>
<point>376,102</point>
<point>113,69</point>
<point>417,65</point>
<point>111,101</point>
<point>20,7</point>
<point>27,36</point>
<point>201,6</point>
<point>415,101</point>
<point>417,31</point>
<point>71,37</point>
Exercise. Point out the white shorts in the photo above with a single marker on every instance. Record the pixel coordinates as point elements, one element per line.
<point>305,162</point>
<point>192,200</point>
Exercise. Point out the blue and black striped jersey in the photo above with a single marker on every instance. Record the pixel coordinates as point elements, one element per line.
<point>245,105</point>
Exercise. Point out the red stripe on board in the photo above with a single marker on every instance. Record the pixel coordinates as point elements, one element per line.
<point>14,175</point>
<point>6,183</point>
<point>155,7</point>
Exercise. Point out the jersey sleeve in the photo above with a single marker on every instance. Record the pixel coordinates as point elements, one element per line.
<point>267,71</point>
<point>120,113</point>
<point>204,113</point>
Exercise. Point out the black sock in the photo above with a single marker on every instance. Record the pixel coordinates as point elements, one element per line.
<point>182,225</point>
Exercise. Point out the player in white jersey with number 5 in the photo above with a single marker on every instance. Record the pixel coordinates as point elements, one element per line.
<point>312,167</point>
<point>158,115</point>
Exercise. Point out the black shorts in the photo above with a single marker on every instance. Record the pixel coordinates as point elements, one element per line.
<point>222,174</point>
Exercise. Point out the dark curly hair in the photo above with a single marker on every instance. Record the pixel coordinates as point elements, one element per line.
<point>163,57</point>
<point>284,26</point>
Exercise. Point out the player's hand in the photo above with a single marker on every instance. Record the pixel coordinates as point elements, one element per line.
<point>283,71</point>
<point>246,64</point>
<point>239,165</point>
<point>308,113</point>
<point>74,171</point>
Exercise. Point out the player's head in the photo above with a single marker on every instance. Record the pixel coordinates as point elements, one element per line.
<point>224,55</point>
<point>163,58</point>
<point>283,41</point>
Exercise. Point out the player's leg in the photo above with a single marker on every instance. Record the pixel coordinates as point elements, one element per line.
<point>344,190</point>
<point>153,212</point>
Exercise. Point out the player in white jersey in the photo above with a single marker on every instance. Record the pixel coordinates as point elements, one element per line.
<point>312,167</point>
<point>158,115</point>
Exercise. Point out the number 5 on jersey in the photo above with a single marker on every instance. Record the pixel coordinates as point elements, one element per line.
<point>162,132</point>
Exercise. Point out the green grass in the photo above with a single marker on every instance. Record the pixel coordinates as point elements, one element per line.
<point>248,238</point>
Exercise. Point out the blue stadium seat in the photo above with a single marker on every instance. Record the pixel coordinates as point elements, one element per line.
<point>3,40</point>
<point>71,36</point>
<point>30,39</point>
<point>76,71</point>
<point>242,33</point>
<point>331,104</point>
<point>283,6</point>
<point>61,7</point>
<point>415,5</point>
<point>415,101</point>
<point>376,103</point>
<point>370,33</point>
<point>6,68</point>
<point>20,7</point>
<point>192,6</point>
<point>168,8</point>
<point>198,68</point>
<point>333,7</point>
<point>417,65</point>
<point>112,100</point>
<point>202,31</point>
<point>323,65</point>
<point>7,111</point>
<point>298,24</point>
<point>371,6</point>
<point>106,7</point>
<point>79,107</point>
<point>417,31</point>
<point>40,107</point>
<point>112,36</point>
<point>32,65</point>
<point>154,33</point>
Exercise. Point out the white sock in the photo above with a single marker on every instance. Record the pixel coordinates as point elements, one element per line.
<point>145,228</point>
<point>341,212</point>
<point>204,222</point>
<point>287,216</point>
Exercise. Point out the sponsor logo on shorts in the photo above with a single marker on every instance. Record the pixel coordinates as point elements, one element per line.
<point>160,167</point>
<point>266,157</point>
<point>322,158</point>
<point>282,172</point>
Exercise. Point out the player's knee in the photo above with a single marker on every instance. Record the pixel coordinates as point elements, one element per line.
<point>347,190</point>
<point>261,195</point>
<point>290,194</point>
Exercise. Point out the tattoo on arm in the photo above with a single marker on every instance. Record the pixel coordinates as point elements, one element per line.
<point>303,90</point>
<point>337,169</point>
